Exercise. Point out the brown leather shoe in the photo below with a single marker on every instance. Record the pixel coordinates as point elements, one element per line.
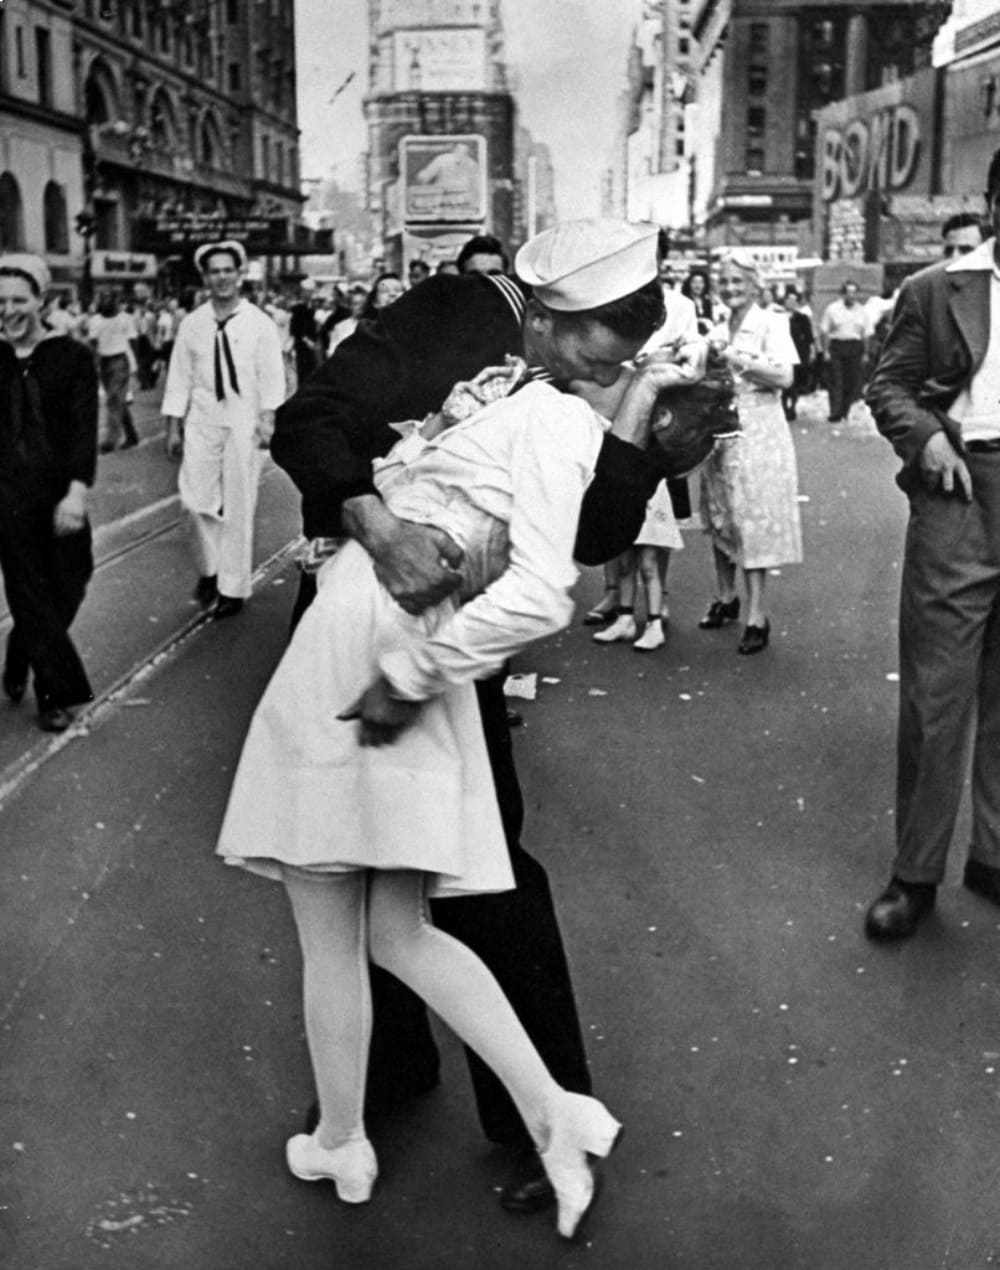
<point>528,1190</point>
<point>899,910</point>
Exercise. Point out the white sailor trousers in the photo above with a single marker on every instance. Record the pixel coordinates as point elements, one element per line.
<point>218,481</point>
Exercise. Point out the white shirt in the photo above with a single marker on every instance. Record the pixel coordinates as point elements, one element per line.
<point>522,464</point>
<point>260,369</point>
<point>680,326</point>
<point>977,406</point>
<point>844,322</point>
<point>111,335</point>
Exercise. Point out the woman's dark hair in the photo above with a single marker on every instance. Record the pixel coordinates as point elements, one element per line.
<point>695,273</point>
<point>369,310</point>
<point>107,305</point>
<point>634,317</point>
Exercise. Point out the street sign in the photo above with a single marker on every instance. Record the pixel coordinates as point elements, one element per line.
<point>122,266</point>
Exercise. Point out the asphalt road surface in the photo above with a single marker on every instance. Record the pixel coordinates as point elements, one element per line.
<point>714,826</point>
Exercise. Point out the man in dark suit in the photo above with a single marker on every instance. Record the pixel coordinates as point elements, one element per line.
<point>935,394</point>
<point>402,366</point>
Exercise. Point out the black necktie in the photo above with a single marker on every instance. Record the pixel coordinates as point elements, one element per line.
<point>222,342</point>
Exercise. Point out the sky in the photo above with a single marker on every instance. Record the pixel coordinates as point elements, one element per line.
<point>566,58</point>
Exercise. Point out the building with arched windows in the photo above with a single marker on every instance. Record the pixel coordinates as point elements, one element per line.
<point>132,130</point>
<point>41,174</point>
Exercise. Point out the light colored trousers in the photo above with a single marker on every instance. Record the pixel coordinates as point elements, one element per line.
<point>218,482</point>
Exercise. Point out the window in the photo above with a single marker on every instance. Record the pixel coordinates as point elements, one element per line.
<point>55,219</point>
<point>137,19</point>
<point>232,12</point>
<point>279,163</point>
<point>265,158</point>
<point>234,77</point>
<point>683,46</point>
<point>758,39</point>
<point>757,81</point>
<point>756,123</point>
<point>11,214</point>
<point>19,51</point>
<point>43,60</point>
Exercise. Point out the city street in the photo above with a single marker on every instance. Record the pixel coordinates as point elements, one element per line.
<point>795,1098</point>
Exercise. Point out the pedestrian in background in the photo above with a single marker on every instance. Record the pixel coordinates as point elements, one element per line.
<point>226,380</point>
<point>749,486</point>
<point>961,234</point>
<point>48,439</point>
<point>483,253</point>
<point>708,307</point>
<point>843,333</point>
<point>801,330</point>
<point>934,396</point>
<point>659,536</point>
<point>111,331</point>
<point>386,288</point>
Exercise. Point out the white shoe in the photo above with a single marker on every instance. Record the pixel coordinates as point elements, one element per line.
<point>651,638</point>
<point>352,1168</point>
<point>623,627</point>
<point>579,1128</point>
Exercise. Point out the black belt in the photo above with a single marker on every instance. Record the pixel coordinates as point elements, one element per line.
<point>984,447</point>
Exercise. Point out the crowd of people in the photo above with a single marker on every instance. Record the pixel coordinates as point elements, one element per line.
<point>457,462</point>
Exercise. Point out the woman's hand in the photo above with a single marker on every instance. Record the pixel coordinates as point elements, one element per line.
<point>70,513</point>
<point>383,717</point>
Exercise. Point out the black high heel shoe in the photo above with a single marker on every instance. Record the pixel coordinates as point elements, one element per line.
<point>755,638</point>
<point>719,613</point>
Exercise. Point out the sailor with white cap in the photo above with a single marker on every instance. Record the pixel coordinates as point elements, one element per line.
<point>48,456</point>
<point>225,381</point>
<point>596,300</point>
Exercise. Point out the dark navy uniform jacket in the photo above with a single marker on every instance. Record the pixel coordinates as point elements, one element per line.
<point>402,366</point>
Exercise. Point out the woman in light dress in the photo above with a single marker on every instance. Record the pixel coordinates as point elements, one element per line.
<point>749,487</point>
<point>364,820</point>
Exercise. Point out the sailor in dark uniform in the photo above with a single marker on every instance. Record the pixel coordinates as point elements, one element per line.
<point>402,366</point>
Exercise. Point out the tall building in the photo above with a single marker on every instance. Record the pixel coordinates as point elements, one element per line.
<point>185,128</point>
<point>763,68</point>
<point>41,145</point>
<point>443,154</point>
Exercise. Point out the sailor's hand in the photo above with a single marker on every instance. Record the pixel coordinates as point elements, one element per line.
<point>417,564</point>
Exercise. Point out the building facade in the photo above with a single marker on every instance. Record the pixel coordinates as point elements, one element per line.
<point>762,72</point>
<point>184,129</point>
<point>446,157</point>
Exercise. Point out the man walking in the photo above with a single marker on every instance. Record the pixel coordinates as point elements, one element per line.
<point>934,395</point>
<point>225,381</point>
<point>843,330</point>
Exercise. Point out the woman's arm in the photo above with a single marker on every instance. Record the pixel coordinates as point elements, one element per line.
<point>553,447</point>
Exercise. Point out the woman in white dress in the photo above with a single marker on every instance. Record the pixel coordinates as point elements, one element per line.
<point>749,486</point>
<point>364,784</point>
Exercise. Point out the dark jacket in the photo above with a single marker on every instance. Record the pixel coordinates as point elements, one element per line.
<point>937,340</point>
<point>48,421</point>
<point>402,366</point>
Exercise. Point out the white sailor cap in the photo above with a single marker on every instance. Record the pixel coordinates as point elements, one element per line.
<point>33,268</point>
<point>583,264</point>
<point>229,245</point>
